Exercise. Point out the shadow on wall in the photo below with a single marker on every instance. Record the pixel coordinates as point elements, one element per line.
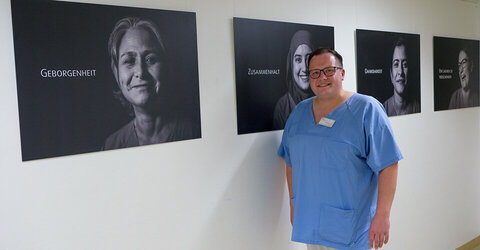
<point>249,213</point>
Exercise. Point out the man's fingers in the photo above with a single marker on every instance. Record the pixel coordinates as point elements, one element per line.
<point>381,239</point>
<point>377,241</point>
<point>371,238</point>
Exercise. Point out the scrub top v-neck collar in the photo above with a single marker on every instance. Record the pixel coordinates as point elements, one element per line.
<point>333,112</point>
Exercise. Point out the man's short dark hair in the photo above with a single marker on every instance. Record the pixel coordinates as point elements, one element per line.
<point>323,50</point>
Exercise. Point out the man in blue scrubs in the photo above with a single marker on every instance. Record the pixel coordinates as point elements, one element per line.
<point>341,160</point>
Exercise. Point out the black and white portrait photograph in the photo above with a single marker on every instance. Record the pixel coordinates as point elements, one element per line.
<point>271,70</point>
<point>456,74</point>
<point>388,68</point>
<point>96,77</point>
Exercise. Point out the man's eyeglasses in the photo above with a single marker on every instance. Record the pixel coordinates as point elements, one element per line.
<point>328,71</point>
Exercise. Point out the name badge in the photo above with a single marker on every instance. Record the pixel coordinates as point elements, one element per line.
<point>326,122</point>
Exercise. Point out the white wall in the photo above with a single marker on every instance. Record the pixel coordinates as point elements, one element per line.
<point>226,191</point>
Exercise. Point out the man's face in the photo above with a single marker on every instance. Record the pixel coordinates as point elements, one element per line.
<point>326,86</point>
<point>464,69</point>
<point>399,70</point>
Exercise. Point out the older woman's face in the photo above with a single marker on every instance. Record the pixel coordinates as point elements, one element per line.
<point>299,66</point>
<point>139,67</point>
<point>464,69</point>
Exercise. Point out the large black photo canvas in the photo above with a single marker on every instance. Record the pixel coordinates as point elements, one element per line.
<point>271,71</point>
<point>388,68</point>
<point>96,77</point>
<point>456,74</point>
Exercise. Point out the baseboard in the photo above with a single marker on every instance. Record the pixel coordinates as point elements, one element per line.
<point>471,244</point>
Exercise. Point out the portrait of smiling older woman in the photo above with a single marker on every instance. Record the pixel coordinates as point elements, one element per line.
<point>467,94</point>
<point>139,65</point>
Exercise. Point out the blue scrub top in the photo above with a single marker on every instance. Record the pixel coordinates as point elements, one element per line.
<point>335,170</point>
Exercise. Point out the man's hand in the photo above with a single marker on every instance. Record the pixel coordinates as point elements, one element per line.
<point>380,227</point>
<point>379,231</point>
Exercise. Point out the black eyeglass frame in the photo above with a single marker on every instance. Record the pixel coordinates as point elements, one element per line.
<point>319,71</point>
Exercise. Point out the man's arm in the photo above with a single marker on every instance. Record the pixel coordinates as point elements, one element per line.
<point>380,226</point>
<point>290,192</point>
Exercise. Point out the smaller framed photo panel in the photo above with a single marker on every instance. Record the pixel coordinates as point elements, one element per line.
<point>388,68</point>
<point>456,74</point>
